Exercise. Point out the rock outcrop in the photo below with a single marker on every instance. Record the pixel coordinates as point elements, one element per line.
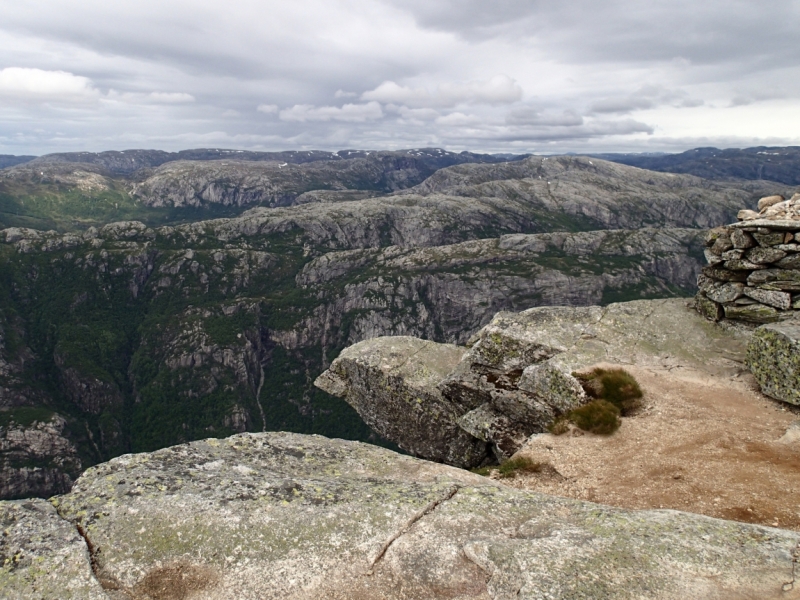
<point>391,382</point>
<point>516,378</point>
<point>278,515</point>
<point>773,356</point>
<point>753,271</point>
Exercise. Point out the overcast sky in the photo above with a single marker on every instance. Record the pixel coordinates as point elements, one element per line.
<point>499,76</point>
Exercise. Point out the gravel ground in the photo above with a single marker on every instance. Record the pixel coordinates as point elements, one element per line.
<point>703,444</point>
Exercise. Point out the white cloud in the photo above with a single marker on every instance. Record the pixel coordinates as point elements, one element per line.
<point>528,115</point>
<point>148,98</point>
<point>458,119</point>
<point>37,84</point>
<point>352,113</point>
<point>645,98</point>
<point>500,89</point>
<point>414,114</point>
<point>170,97</point>
<point>95,75</point>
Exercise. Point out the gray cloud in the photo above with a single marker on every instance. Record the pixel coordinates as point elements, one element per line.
<point>511,74</point>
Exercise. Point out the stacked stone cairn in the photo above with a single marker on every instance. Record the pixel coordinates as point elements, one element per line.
<point>753,271</point>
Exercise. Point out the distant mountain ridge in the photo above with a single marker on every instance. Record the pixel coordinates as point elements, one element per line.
<point>9,160</point>
<point>780,164</point>
<point>126,162</point>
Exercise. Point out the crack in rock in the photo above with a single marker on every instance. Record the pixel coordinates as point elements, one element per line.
<point>107,582</point>
<point>403,530</point>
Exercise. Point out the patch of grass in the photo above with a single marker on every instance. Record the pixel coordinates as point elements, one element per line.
<point>598,416</point>
<point>616,386</point>
<point>522,464</point>
<point>560,426</point>
<point>25,416</point>
<point>483,471</point>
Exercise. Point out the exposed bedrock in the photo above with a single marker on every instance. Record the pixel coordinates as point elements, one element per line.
<point>516,378</point>
<point>279,515</point>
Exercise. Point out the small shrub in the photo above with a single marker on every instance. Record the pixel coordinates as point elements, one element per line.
<point>521,464</point>
<point>598,416</point>
<point>616,386</point>
<point>560,426</point>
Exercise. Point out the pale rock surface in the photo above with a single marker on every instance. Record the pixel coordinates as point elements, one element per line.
<point>42,556</point>
<point>287,516</point>
<point>391,382</point>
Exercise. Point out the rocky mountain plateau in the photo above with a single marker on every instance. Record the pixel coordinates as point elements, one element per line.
<point>157,376</point>
<point>127,337</point>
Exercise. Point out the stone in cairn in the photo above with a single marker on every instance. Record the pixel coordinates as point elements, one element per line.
<point>753,271</point>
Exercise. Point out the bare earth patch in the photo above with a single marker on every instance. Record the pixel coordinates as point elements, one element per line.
<point>701,443</point>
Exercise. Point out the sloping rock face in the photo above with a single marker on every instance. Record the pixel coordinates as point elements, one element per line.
<point>773,357</point>
<point>278,515</point>
<point>516,377</point>
<point>391,382</point>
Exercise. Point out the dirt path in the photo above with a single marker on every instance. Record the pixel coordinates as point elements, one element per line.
<point>702,444</point>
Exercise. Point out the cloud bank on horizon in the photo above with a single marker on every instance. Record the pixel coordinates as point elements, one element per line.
<point>505,76</point>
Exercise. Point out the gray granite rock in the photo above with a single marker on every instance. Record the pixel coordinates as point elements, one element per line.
<point>754,313</point>
<point>277,515</point>
<point>721,274</point>
<point>43,556</point>
<point>780,300</point>
<point>727,292</point>
<point>765,255</point>
<point>790,262</point>
<point>777,224</point>
<point>773,356</point>
<point>742,239</point>
<point>776,279</point>
<point>708,308</point>
<point>392,384</point>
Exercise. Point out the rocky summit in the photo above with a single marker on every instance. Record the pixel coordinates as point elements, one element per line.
<point>279,515</point>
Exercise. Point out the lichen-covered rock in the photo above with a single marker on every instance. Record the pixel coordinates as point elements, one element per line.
<point>726,292</point>
<point>742,239</point>
<point>42,556</point>
<point>391,382</point>
<point>710,309</point>
<point>775,279</point>
<point>773,356</point>
<point>505,435</point>
<point>278,515</point>
<point>754,313</point>
<point>765,255</point>
<point>780,300</point>
<point>516,378</point>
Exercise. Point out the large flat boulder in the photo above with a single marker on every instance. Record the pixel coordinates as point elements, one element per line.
<point>773,356</point>
<point>392,384</point>
<point>278,515</point>
<point>42,556</point>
